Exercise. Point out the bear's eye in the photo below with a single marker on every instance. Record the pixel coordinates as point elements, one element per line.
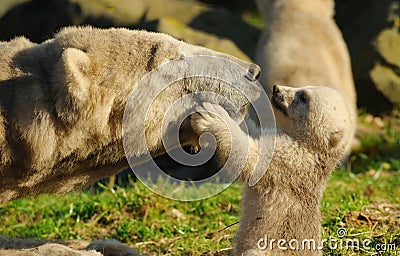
<point>302,97</point>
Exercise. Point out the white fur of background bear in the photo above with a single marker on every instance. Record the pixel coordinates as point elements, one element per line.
<point>301,45</point>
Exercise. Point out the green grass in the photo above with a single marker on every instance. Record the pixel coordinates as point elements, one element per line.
<point>363,198</point>
<point>132,215</point>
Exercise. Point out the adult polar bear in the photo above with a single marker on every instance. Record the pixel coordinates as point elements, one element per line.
<point>284,204</point>
<point>62,103</point>
<point>302,45</point>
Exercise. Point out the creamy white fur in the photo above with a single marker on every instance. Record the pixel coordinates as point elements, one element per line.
<point>284,204</point>
<point>62,103</point>
<point>301,45</point>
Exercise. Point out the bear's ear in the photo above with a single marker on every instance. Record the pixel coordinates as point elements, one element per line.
<point>335,138</point>
<point>71,84</point>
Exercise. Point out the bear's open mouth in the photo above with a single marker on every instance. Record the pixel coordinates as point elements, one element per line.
<point>278,105</point>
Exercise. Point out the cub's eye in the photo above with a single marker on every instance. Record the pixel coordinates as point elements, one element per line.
<point>302,97</point>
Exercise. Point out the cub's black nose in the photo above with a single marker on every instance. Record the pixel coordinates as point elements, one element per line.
<point>275,89</point>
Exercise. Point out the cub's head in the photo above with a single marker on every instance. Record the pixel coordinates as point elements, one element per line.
<point>315,115</point>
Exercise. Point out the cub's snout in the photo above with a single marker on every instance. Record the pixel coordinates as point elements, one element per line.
<point>279,99</point>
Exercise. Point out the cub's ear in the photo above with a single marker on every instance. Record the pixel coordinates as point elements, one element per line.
<point>335,138</point>
<point>71,84</point>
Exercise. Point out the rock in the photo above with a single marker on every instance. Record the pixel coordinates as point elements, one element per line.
<point>49,250</point>
<point>371,33</point>
<point>385,74</point>
<point>6,5</point>
<point>112,247</point>
<point>42,18</point>
<point>388,45</point>
<point>225,24</point>
<point>130,13</point>
<point>35,247</point>
<point>190,20</point>
<point>387,82</point>
<point>179,30</point>
<point>27,247</point>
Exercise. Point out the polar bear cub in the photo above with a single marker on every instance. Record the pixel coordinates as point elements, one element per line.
<point>284,204</point>
<point>302,45</point>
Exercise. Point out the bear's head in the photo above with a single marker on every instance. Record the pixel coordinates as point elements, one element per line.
<point>315,115</point>
<point>101,67</point>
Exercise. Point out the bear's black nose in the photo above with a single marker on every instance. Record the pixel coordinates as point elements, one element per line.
<point>254,72</point>
<point>275,89</point>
